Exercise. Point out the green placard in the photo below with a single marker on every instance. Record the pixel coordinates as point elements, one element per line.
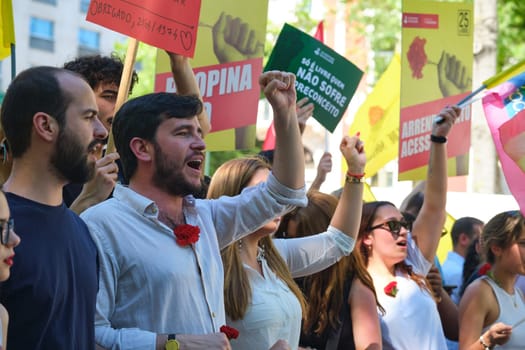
<point>328,79</point>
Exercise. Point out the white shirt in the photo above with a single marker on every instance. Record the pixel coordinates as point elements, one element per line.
<point>411,319</point>
<point>453,273</point>
<point>150,285</point>
<point>511,311</point>
<point>274,312</point>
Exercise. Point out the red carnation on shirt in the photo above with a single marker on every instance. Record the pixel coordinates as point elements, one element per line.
<point>391,289</point>
<point>186,234</point>
<point>230,332</point>
<point>484,269</point>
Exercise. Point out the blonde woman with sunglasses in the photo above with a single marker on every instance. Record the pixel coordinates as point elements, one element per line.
<point>398,255</point>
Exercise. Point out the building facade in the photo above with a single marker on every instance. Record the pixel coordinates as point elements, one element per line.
<point>51,32</point>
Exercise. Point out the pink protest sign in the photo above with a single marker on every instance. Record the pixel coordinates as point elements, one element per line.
<point>167,24</point>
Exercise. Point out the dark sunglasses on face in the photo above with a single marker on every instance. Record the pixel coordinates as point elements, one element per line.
<point>393,226</point>
<point>6,226</point>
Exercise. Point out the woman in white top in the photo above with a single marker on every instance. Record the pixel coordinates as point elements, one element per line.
<point>398,260</point>
<point>262,300</point>
<point>8,241</point>
<point>492,310</point>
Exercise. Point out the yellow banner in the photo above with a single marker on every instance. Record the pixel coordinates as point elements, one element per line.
<point>445,243</point>
<point>377,119</point>
<point>368,196</point>
<point>7,28</point>
<point>436,70</point>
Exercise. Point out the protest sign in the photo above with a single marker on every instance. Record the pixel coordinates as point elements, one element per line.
<point>227,69</point>
<point>436,70</point>
<point>170,25</point>
<point>328,79</point>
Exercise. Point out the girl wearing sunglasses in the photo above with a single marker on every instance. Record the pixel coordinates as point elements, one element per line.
<point>398,255</point>
<point>9,240</point>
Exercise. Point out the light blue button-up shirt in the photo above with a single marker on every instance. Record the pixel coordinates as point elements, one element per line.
<point>453,273</point>
<point>150,285</point>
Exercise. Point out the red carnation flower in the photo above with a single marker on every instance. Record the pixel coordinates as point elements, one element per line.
<point>391,289</point>
<point>484,269</point>
<point>417,58</point>
<point>186,234</point>
<point>230,332</point>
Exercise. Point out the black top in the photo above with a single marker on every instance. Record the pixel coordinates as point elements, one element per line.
<point>51,293</point>
<point>346,337</point>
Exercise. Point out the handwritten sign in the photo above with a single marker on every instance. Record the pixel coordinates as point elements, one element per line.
<point>328,79</point>
<point>167,24</point>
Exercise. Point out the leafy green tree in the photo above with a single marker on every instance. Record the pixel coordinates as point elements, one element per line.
<point>380,22</point>
<point>510,43</point>
<point>144,65</point>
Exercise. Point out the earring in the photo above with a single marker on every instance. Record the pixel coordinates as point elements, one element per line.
<point>4,151</point>
<point>239,242</point>
<point>260,253</point>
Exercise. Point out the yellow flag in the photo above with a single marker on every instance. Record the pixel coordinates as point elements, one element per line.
<point>7,28</point>
<point>377,119</point>
<point>445,244</point>
<point>368,196</point>
<point>505,75</point>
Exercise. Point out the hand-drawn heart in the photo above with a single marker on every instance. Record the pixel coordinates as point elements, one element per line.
<point>186,40</point>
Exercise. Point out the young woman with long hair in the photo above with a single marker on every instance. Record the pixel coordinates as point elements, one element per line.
<point>492,308</point>
<point>261,298</point>
<point>398,260</point>
<point>341,299</point>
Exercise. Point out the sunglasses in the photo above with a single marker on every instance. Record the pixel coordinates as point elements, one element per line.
<point>5,228</point>
<point>393,226</point>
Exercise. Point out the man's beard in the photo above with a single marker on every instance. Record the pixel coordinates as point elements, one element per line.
<point>70,158</point>
<point>168,176</point>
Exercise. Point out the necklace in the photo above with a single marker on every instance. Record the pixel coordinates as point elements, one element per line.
<point>512,296</point>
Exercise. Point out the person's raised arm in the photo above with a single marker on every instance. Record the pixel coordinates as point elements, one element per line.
<point>304,112</point>
<point>323,168</point>
<point>187,85</point>
<point>429,223</point>
<point>347,216</point>
<point>288,164</point>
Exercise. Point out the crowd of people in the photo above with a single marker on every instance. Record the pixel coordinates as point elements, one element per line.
<point>134,250</point>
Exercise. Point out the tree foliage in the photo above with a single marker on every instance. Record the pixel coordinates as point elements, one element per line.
<point>144,65</point>
<point>380,22</point>
<point>511,20</point>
